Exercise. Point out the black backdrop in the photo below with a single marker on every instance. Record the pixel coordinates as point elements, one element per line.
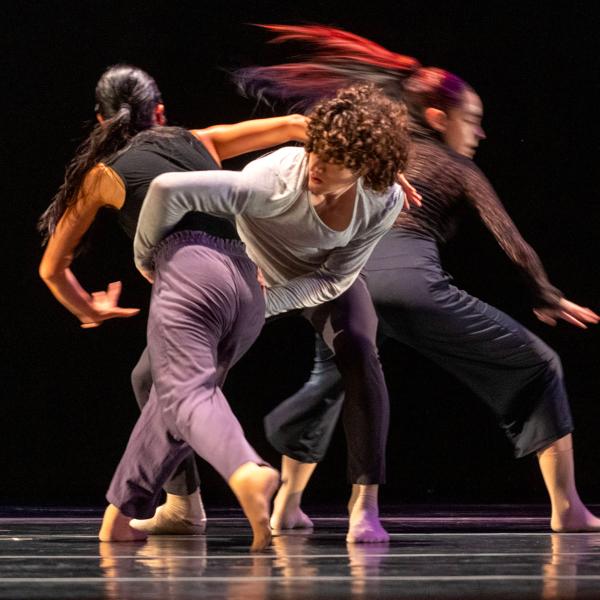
<point>67,408</point>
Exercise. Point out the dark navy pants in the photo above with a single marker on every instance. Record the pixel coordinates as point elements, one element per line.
<point>348,325</point>
<point>516,374</point>
<point>206,310</point>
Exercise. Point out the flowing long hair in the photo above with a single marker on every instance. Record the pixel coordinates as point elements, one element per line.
<point>337,58</point>
<point>126,99</point>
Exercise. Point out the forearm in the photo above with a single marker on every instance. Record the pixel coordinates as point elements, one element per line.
<point>172,195</point>
<point>68,291</point>
<point>494,216</point>
<point>303,292</point>
<point>256,134</point>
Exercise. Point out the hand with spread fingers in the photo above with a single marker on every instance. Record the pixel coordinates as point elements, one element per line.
<point>105,306</point>
<point>413,198</point>
<point>568,311</point>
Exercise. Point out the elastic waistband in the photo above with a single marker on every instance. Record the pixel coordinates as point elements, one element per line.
<point>198,221</point>
<point>192,237</point>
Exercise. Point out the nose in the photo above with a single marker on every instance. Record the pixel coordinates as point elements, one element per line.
<point>481,134</point>
<point>318,164</point>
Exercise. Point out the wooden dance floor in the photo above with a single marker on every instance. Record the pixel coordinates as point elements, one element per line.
<point>435,552</point>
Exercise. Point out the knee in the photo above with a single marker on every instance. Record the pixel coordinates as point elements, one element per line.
<point>355,346</point>
<point>553,363</point>
<point>180,418</point>
<point>552,366</point>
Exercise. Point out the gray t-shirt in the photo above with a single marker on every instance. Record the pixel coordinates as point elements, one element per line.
<point>304,262</point>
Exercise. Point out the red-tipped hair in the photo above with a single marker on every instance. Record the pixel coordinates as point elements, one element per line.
<point>337,44</point>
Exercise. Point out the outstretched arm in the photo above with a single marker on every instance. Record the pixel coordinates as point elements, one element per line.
<point>227,141</point>
<point>568,311</point>
<point>100,188</point>
<point>551,303</point>
<point>483,197</point>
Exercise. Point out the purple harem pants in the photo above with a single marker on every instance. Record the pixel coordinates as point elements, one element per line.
<point>206,310</point>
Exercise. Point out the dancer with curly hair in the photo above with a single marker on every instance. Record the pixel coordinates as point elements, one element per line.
<point>129,146</point>
<point>514,372</point>
<point>309,217</point>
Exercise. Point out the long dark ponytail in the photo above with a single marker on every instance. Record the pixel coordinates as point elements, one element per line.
<point>126,99</point>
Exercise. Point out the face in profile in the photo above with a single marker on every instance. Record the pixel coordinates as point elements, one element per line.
<point>463,130</point>
<point>326,177</point>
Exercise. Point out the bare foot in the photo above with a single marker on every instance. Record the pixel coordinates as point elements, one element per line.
<point>573,519</point>
<point>365,528</point>
<point>180,515</point>
<point>163,523</point>
<point>287,513</point>
<point>254,487</point>
<point>115,527</point>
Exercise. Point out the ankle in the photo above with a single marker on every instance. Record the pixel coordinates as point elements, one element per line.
<point>188,506</point>
<point>289,498</point>
<point>364,498</point>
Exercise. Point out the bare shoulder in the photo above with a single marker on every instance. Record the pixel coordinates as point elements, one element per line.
<point>103,186</point>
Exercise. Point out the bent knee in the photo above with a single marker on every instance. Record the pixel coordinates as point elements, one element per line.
<point>553,362</point>
<point>355,346</point>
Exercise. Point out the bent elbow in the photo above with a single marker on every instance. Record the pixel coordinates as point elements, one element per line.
<point>49,273</point>
<point>161,187</point>
<point>46,273</point>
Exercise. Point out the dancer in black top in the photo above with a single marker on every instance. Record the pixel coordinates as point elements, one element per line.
<point>518,376</point>
<point>128,147</point>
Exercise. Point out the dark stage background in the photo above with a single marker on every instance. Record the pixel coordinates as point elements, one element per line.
<point>67,408</point>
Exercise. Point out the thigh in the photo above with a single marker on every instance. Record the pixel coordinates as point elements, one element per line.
<point>248,317</point>
<point>352,313</point>
<point>191,310</point>
<point>477,342</point>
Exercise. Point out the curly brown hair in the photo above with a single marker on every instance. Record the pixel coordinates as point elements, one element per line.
<point>364,130</point>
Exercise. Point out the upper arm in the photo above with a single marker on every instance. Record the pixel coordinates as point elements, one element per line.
<point>483,197</point>
<point>203,136</point>
<point>101,187</point>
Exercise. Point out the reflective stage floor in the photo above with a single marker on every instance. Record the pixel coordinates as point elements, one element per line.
<point>435,552</point>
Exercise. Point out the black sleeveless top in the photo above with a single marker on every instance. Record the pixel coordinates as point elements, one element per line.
<point>152,153</point>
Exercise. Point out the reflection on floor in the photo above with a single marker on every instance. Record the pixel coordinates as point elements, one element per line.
<point>435,552</point>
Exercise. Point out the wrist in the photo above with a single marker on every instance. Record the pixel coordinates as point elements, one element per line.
<point>90,315</point>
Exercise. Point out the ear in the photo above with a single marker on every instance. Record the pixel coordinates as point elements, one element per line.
<point>99,118</point>
<point>436,119</point>
<point>159,114</point>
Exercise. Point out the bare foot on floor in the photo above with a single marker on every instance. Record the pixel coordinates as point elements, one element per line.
<point>287,513</point>
<point>115,527</point>
<point>180,515</point>
<point>164,523</point>
<point>254,487</point>
<point>574,519</point>
<point>365,528</point>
